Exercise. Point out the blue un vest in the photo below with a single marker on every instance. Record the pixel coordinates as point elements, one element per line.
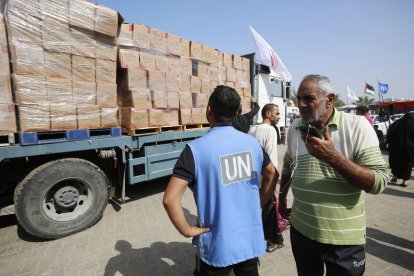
<point>227,165</point>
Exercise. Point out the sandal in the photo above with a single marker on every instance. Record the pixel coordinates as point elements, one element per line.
<point>393,179</point>
<point>403,184</point>
<point>273,246</point>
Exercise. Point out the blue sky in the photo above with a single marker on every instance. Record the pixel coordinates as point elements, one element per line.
<point>349,41</point>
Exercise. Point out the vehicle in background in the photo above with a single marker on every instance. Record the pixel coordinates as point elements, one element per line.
<point>395,117</point>
<point>268,87</point>
<point>382,122</point>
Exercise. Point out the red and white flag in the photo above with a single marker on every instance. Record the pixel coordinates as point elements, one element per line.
<point>268,56</point>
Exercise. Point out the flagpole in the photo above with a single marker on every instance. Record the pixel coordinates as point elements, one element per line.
<point>346,95</point>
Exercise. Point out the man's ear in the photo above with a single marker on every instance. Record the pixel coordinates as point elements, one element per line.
<point>331,98</point>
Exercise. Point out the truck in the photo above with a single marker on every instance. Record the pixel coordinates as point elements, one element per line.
<point>58,183</point>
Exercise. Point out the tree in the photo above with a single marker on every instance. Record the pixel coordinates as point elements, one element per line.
<point>338,102</point>
<point>364,101</point>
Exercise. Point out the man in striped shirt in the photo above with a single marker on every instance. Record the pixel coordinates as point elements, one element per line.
<point>332,160</point>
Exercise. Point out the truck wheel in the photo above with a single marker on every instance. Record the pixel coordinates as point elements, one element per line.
<point>61,197</point>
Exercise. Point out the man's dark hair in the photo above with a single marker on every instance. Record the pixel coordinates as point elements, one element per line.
<point>224,102</point>
<point>268,108</point>
<point>362,109</point>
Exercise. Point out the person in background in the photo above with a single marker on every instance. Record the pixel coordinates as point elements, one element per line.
<point>330,165</point>
<point>380,137</point>
<point>222,169</point>
<point>363,110</point>
<point>266,135</point>
<point>400,140</point>
<point>241,121</point>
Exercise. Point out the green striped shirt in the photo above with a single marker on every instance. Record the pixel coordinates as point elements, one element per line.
<point>326,207</point>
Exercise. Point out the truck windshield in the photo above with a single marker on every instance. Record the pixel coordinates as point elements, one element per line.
<point>276,88</point>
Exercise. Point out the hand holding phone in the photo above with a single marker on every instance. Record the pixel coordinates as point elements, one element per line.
<point>309,130</point>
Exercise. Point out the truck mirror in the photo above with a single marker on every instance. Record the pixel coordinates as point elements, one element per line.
<point>287,90</point>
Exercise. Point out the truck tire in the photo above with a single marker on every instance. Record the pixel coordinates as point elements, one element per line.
<point>61,197</point>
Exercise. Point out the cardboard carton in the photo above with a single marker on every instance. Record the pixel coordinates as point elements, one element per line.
<point>246,64</point>
<point>137,98</point>
<point>196,50</point>
<point>214,84</point>
<point>82,14</point>
<point>161,63</point>
<point>156,80</point>
<point>206,87</point>
<point>211,55</point>
<point>105,71</point>
<point>186,66</point>
<point>88,116</point>
<point>59,91</point>
<point>172,82</point>
<point>230,74</point>
<point>204,71</point>
<point>156,117</point>
<point>147,61</point>
<point>200,100</point>
<point>174,65</point>
<point>106,48</point>
<point>58,65</point>
<point>173,100</point>
<point>27,60</point>
<point>195,84</point>
<point>185,48</point>
<point>83,69</point>
<point>4,60</point>
<point>230,84</point>
<point>106,95</point>
<point>214,73</point>
<point>109,117</point>
<point>184,83</point>
<point>133,79</point>
<point>227,60</point>
<point>106,21</point>
<point>129,59</point>
<point>7,118</point>
<point>186,100</point>
<point>29,90</point>
<point>27,7</point>
<point>237,62</point>
<point>222,73</point>
<point>159,99</point>
<point>186,116</point>
<point>83,42</point>
<point>141,36</point>
<point>133,118</point>
<point>56,36</point>
<point>62,116</point>
<point>158,41</point>
<point>55,10</point>
<point>84,92</point>
<point>33,117</point>
<point>126,35</point>
<point>197,115</point>
<point>5,89</point>
<point>239,76</point>
<point>24,29</point>
<point>171,117</point>
<point>173,44</point>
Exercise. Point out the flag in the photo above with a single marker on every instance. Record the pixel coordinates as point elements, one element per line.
<point>369,89</point>
<point>268,56</point>
<point>382,88</point>
<point>351,94</point>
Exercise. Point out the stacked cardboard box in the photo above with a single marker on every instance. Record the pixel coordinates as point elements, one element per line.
<point>63,56</point>
<point>7,111</point>
<point>167,80</point>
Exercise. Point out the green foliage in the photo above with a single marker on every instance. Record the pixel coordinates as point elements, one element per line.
<point>364,101</point>
<point>338,102</point>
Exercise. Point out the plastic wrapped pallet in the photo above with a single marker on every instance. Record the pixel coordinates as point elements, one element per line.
<point>109,117</point>
<point>7,118</point>
<point>69,46</point>
<point>137,98</point>
<point>133,118</point>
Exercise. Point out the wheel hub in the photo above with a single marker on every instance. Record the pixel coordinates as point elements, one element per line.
<point>66,197</point>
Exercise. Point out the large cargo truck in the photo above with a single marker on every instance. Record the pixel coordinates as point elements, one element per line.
<point>60,186</point>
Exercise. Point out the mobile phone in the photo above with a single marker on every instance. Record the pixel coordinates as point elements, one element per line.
<point>312,131</point>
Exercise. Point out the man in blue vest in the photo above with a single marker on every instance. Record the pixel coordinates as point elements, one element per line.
<point>222,170</point>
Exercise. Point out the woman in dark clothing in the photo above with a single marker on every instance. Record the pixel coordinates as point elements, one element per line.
<point>400,139</point>
<point>243,122</point>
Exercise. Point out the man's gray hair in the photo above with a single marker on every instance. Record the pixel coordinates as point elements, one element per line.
<point>323,83</point>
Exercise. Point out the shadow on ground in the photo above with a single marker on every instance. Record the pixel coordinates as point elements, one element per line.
<point>389,252</point>
<point>160,258</point>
